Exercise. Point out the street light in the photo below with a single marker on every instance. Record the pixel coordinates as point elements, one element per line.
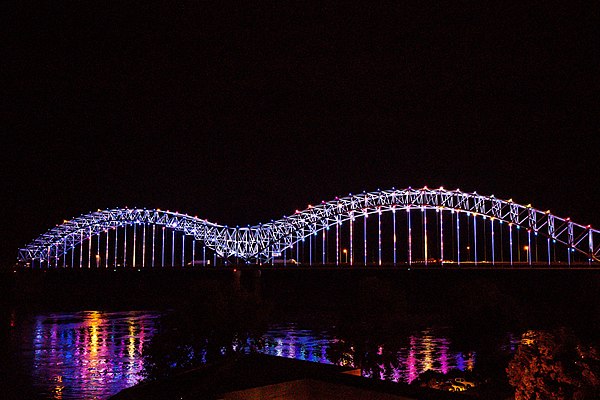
<point>526,248</point>
<point>345,251</point>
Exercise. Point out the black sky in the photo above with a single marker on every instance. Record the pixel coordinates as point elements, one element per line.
<point>241,114</point>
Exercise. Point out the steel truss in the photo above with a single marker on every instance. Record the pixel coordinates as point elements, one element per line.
<point>265,241</point>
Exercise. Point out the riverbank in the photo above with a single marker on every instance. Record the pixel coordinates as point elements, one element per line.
<point>258,376</point>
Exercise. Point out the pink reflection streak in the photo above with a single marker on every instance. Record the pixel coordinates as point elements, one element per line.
<point>444,356</point>
<point>412,361</point>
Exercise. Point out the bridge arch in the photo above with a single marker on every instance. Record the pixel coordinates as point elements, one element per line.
<point>66,236</point>
<point>263,242</point>
<point>290,230</point>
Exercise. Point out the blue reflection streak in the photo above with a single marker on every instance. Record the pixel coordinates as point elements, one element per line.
<point>460,362</point>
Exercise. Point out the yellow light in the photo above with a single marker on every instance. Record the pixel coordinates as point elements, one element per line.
<point>525,247</point>
<point>345,251</point>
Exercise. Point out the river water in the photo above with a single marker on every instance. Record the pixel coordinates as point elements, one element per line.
<point>394,326</point>
<point>93,355</point>
<point>82,355</point>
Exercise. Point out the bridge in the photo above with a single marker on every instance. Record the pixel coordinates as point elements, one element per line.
<point>385,227</point>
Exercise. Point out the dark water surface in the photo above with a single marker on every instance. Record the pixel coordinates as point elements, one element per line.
<point>93,355</point>
<point>83,355</point>
<point>422,351</point>
<point>394,325</point>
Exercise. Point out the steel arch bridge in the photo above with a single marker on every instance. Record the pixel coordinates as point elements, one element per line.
<point>269,241</point>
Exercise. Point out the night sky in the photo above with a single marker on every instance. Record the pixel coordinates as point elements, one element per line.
<point>243,114</point>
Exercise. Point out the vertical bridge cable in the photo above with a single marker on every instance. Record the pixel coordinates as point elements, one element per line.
<point>409,237</point>
<point>424,213</point>
<point>441,211</point>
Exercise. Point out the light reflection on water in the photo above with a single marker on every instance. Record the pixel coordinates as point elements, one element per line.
<point>424,351</point>
<point>94,355</point>
<point>292,342</point>
<point>86,354</point>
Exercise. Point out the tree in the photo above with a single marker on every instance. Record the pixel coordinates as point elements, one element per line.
<point>554,365</point>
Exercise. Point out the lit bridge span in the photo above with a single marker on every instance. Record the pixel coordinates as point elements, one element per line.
<point>408,226</point>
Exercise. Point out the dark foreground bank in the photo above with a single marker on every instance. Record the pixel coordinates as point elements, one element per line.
<point>258,376</point>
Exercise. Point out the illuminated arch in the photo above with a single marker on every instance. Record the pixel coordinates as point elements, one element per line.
<point>71,233</point>
<point>263,241</point>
